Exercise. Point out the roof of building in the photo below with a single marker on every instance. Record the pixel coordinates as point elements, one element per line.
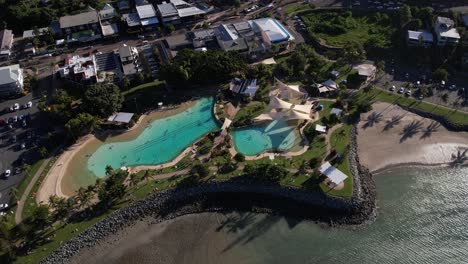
<point>109,30</point>
<point>6,39</point>
<point>146,11</point>
<point>190,11</point>
<point>178,40</point>
<point>334,174</point>
<point>30,33</point>
<point>85,18</point>
<point>244,86</point>
<point>9,74</point>
<point>124,4</point>
<point>132,19</point>
<point>149,21</point>
<point>125,51</point>
<point>272,28</point>
<point>167,9</point>
<point>121,117</point>
<point>336,111</point>
<point>107,11</point>
<point>330,83</point>
<point>445,20</point>
<point>141,2</point>
<point>179,3</point>
<point>420,35</point>
<point>451,33</point>
<point>290,89</point>
<point>234,45</point>
<point>320,128</point>
<point>366,69</point>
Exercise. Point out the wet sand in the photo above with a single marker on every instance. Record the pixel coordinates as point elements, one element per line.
<point>69,173</point>
<point>174,241</point>
<point>407,141</point>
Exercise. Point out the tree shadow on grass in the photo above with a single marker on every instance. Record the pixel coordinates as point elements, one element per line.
<point>410,130</point>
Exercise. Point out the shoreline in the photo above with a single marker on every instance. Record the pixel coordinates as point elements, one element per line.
<point>59,181</point>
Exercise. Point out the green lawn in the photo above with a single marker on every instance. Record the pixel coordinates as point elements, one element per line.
<point>248,112</point>
<point>339,140</point>
<point>458,117</point>
<point>297,8</point>
<point>338,28</point>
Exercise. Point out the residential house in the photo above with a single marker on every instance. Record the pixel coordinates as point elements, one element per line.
<point>123,6</point>
<point>446,32</point>
<point>82,27</point>
<point>129,60</point>
<point>187,12</point>
<point>107,12</point>
<point>11,80</point>
<point>244,87</point>
<point>133,22</point>
<point>147,15</point>
<point>6,43</point>
<point>420,38</point>
<point>168,13</point>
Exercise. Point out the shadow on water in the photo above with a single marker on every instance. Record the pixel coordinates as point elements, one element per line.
<point>251,229</point>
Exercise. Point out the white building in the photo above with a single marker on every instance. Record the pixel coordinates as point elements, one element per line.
<point>80,69</point>
<point>446,32</point>
<point>420,38</point>
<point>107,12</point>
<point>11,80</point>
<point>147,16</point>
<point>6,43</point>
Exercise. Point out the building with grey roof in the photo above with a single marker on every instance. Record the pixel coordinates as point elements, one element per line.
<point>147,15</point>
<point>81,27</point>
<point>6,43</point>
<point>446,32</point>
<point>420,38</point>
<point>11,80</point>
<point>168,13</point>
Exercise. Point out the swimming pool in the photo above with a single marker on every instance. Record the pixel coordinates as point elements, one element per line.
<point>276,135</point>
<point>160,142</point>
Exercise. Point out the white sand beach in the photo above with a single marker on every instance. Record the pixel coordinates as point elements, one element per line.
<point>390,136</point>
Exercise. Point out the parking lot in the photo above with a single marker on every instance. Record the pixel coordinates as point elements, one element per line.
<point>18,140</point>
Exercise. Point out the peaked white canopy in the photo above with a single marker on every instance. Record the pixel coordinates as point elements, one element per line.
<point>296,115</point>
<point>268,116</point>
<point>303,108</point>
<point>276,103</point>
<point>289,91</point>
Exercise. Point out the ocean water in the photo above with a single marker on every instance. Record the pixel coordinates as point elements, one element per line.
<point>423,216</point>
<point>160,142</point>
<point>259,138</point>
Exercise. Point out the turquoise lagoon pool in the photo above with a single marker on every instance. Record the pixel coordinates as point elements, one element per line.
<point>162,140</point>
<point>256,139</point>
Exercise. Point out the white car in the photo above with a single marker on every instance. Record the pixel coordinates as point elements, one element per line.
<point>393,88</point>
<point>401,90</point>
<point>29,104</point>
<point>7,173</point>
<point>408,93</point>
<point>16,106</point>
<point>15,119</point>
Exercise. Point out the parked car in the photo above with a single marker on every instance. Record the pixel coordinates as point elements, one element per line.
<point>29,104</point>
<point>408,93</point>
<point>392,88</point>
<point>7,173</point>
<point>15,119</point>
<point>23,123</point>
<point>16,106</point>
<point>23,145</point>
<point>420,97</point>
<point>401,90</point>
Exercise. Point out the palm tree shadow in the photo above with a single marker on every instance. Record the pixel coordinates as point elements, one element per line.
<point>372,119</point>
<point>392,122</point>
<point>460,158</point>
<point>410,130</point>
<point>427,132</point>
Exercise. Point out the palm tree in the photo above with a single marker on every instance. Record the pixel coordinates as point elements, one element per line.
<point>84,196</point>
<point>134,180</point>
<point>146,176</point>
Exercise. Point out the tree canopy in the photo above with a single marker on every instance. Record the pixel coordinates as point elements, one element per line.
<point>102,99</point>
<point>190,66</point>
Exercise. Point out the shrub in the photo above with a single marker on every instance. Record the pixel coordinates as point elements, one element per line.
<point>239,157</point>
